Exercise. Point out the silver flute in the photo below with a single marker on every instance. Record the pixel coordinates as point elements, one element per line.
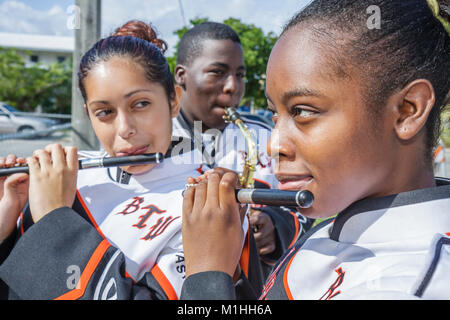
<point>99,162</point>
<point>272,197</point>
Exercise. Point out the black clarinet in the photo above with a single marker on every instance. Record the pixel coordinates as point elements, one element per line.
<point>99,162</point>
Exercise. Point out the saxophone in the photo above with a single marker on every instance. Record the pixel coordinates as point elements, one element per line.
<point>251,160</point>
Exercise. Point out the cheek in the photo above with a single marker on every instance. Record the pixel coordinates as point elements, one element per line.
<point>157,127</point>
<point>343,168</point>
<point>104,132</point>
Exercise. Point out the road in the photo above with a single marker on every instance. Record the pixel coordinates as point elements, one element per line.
<point>25,147</point>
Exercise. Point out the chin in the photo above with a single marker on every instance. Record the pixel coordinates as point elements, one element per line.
<point>139,169</point>
<point>314,212</point>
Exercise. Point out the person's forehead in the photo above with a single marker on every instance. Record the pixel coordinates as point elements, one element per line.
<point>224,51</point>
<point>302,54</point>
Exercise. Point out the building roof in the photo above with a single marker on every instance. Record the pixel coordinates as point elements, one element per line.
<point>36,42</point>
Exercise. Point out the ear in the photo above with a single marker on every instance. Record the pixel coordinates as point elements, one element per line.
<point>416,102</point>
<point>175,103</point>
<point>180,75</point>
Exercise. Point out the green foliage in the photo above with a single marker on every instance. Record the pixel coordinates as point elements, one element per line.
<point>256,46</point>
<point>27,87</point>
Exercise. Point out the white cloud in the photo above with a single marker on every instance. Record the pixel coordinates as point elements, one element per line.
<point>17,17</point>
<point>165,15</point>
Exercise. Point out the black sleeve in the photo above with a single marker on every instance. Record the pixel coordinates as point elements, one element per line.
<point>289,226</point>
<point>64,257</point>
<point>7,245</point>
<point>5,248</point>
<point>210,285</point>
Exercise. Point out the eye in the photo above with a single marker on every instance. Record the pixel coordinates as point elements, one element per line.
<point>240,75</point>
<point>274,115</point>
<point>302,112</point>
<point>102,113</point>
<point>141,104</point>
<point>217,72</point>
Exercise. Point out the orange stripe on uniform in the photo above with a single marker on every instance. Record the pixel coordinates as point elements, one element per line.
<point>245,256</point>
<point>21,224</point>
<point>285,282</point>
<point>90,215</point>
<point>164,283</point>
<point>263,182</point>
<point>297,228</point>
<point>87,273</point>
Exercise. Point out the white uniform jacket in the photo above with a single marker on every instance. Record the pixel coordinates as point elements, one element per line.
<point>395,247</point>
<point>122,242</point>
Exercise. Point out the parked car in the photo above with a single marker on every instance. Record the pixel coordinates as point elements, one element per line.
<point>13,121</point>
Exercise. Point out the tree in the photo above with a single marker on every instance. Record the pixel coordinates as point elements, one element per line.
<point>446,126</point>
<point>256,46</point>
<point>28,87</point>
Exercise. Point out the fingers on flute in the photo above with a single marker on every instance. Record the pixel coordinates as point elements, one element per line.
<point>62,158</point>
<point>10,161</point>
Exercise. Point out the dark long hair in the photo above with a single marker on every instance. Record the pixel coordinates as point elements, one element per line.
<point>136,40</point>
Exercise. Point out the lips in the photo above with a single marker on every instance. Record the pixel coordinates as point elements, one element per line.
<point>132,151</point>
<point>293,182</point>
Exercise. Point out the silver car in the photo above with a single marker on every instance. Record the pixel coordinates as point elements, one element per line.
<point>12,121</point>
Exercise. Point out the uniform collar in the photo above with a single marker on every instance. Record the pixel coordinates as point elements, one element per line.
<point>177,165</point>
<point>385,218</point>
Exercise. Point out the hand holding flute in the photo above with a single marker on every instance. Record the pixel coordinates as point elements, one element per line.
<point>13,196</point>
<point>212,220</point>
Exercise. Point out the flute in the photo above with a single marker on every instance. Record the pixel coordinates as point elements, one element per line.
<point>99,162</point>
<point>272,197</point>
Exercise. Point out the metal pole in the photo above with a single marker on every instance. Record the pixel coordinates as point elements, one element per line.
<point>86,34</point>
<point>180,4</point>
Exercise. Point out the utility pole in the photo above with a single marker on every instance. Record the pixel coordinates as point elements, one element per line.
<point>87,33</point>
<point>180,4</point>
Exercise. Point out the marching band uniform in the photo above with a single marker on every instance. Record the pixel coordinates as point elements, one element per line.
<point>394,247</point>
<point>124,240</point>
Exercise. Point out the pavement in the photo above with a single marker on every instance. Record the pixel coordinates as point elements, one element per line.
<point>25,147</point>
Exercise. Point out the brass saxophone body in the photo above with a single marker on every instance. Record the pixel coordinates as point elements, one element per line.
<point>251,160</point>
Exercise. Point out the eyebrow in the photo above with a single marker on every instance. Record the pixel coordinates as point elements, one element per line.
<point>129,94</point>
<point>224,65</point>
<point>136,91</point>
<point>297,92</point>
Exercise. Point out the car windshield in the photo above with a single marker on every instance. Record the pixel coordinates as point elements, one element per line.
<point>10,108</point>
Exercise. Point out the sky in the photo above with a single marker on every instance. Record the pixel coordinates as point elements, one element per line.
<point>50,17</point>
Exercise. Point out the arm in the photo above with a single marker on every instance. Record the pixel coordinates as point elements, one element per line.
<point>64,257</point>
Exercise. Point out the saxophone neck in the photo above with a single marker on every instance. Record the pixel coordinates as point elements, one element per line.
<point>246,177</point>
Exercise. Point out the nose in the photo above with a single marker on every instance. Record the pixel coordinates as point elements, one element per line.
<point>231,84</point>
<point>126,125</point>
<point>279,146</point>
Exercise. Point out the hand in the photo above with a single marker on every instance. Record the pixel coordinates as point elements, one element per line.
<point>264,231</point>
<point>53,179</point>
<point>13,196</point>
<point>220,171</point>
<point>212,231</point>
